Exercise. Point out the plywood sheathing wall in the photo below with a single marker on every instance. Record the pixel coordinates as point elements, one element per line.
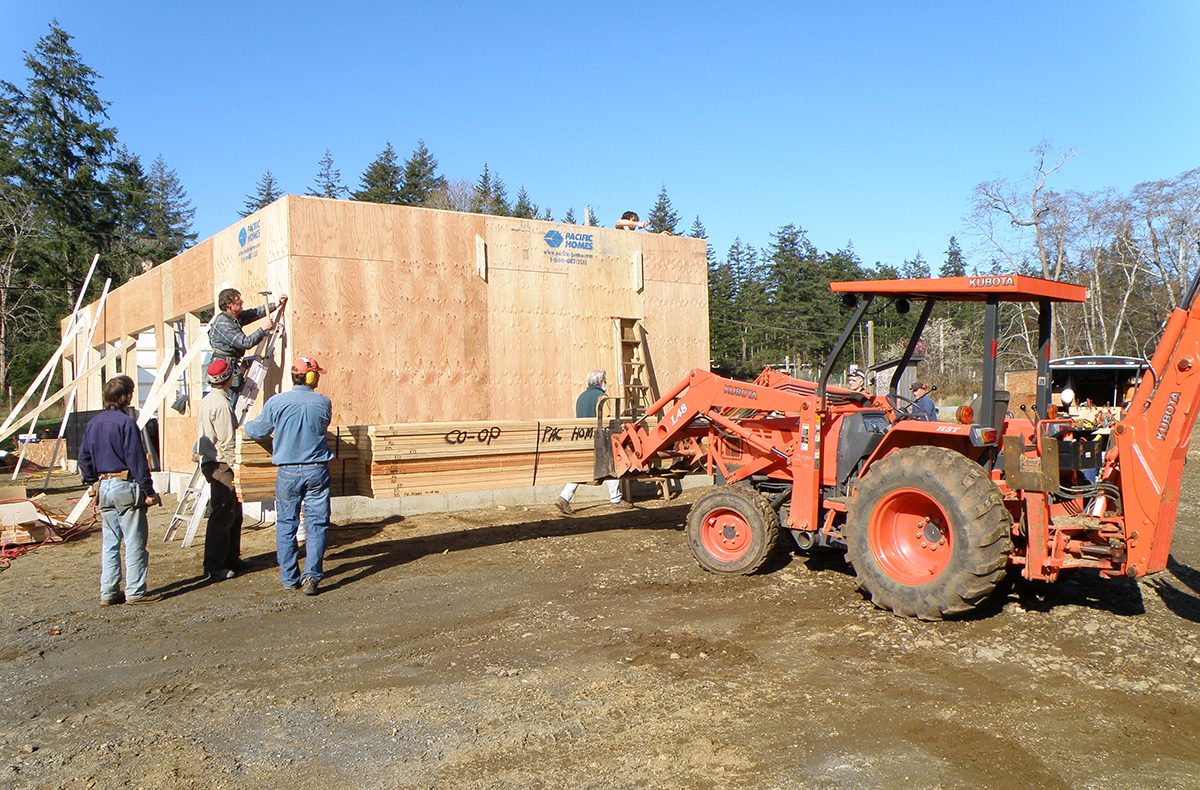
<point>389,299</point>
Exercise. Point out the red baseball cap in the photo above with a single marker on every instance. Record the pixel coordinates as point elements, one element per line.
<point>304,365</point>
<point>219,370</point>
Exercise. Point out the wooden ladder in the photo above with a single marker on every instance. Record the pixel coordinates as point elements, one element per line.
<point>194,499</point>
<point>636,385</point>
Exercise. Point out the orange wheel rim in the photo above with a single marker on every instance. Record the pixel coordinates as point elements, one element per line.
<point>910,537</point>
<point>725,535</point>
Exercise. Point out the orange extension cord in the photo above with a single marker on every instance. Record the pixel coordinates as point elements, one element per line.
<point>10,553</point>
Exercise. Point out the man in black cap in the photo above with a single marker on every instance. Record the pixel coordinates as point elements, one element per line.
<point>923,404</point>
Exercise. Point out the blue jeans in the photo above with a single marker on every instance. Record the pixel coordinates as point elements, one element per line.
<point>294,484</point>
<point>123,518</point>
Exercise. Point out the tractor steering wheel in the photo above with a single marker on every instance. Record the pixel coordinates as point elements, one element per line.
<point>910,410</point>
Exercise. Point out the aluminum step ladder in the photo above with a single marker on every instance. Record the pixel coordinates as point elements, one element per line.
<point>193,501</point>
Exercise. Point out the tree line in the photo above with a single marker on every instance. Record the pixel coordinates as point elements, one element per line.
<point>69,189</point>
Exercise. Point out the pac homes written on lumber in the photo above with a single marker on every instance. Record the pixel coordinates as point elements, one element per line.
<point>434,326</point>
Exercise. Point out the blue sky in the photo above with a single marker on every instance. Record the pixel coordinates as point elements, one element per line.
<point>866,122</point>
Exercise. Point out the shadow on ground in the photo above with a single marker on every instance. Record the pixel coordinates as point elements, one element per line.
<point>353,556</point>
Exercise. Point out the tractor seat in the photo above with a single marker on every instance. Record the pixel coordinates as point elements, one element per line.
<point>1001,412</point>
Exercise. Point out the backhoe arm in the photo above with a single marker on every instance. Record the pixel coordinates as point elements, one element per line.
<point>1153,436</point>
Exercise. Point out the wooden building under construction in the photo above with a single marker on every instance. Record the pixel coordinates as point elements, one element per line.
<point>419,315</point>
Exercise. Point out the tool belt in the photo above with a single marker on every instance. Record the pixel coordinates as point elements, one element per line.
<point>122,475</point>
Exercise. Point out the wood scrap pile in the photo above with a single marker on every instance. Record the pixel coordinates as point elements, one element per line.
<point>23,522</point>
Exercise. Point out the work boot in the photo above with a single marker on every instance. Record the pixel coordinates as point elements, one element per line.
<point>110,600</point>
<point>147,598</point>
<point>309,585</point>
<point>220,575</point>
<point>622,505</point>
<point>241,566</point>
<point>564,507</point>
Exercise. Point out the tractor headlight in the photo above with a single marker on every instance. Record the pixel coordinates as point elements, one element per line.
<point>982,436</point>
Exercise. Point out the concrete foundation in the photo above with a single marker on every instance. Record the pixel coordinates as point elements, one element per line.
<point>348,510</point>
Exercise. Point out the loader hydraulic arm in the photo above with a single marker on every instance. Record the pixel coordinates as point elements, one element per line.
<point>701,402</point>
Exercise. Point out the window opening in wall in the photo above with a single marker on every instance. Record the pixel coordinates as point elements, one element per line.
<point>145,360</point>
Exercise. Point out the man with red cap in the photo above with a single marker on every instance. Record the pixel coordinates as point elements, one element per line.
<point>218,433</point>
<point>298,419</point>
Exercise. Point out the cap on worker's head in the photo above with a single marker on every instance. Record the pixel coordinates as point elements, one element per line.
<point>219,370</point>
<point>918,385</point>
<point>304,365</point>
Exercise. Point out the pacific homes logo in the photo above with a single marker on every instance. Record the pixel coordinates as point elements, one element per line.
<point>574,241</point>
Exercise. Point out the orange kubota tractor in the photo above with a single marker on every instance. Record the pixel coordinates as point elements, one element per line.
<point>930,514</point>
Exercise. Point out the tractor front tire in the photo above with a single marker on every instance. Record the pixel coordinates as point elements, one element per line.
<point>927,533</point>
<point>732,530</point>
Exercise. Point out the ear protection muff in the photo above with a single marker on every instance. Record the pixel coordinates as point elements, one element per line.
<point>311,378</point>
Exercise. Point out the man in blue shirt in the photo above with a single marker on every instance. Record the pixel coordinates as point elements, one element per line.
<point>113,466</point>
<point>923,404</point>
<point>299,419</point>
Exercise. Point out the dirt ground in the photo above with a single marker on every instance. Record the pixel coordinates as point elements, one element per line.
<point>517,648</point>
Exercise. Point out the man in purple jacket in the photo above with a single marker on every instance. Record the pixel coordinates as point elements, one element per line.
<point>113,465</point>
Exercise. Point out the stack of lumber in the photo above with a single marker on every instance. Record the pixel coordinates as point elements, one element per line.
<point>450,457</point>
<point>387,461</point>
<point>255,474</point>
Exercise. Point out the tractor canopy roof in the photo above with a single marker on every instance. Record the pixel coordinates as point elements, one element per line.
<point>1004,287</point>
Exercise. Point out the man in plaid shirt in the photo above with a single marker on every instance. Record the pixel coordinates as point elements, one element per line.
<point>225,333</point>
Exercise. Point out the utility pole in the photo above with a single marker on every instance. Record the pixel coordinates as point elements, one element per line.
<point>942,348</point>
<point>870,344</point>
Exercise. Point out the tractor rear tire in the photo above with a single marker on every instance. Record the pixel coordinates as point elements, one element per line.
<point>732,530</point>
<point>927,533</point>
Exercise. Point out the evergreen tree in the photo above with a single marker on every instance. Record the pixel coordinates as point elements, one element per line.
<point>266,192</point>
<point>698,232</point>
<point>547,215</point>
<point>794,289</point>
<point>381,180</point>
<point>569,217</point>
<point>955,265</point>
<point>329,180</point>
<point>590,218</point>
<point>663,218</point>
<point>524,207</point>
<point>130,190</point>
<point>748,317</point>
<point>60,149</point>
<point>169,212</point>
<point>420,181</point>
<point>916,268</point>
<point>490,196</point>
